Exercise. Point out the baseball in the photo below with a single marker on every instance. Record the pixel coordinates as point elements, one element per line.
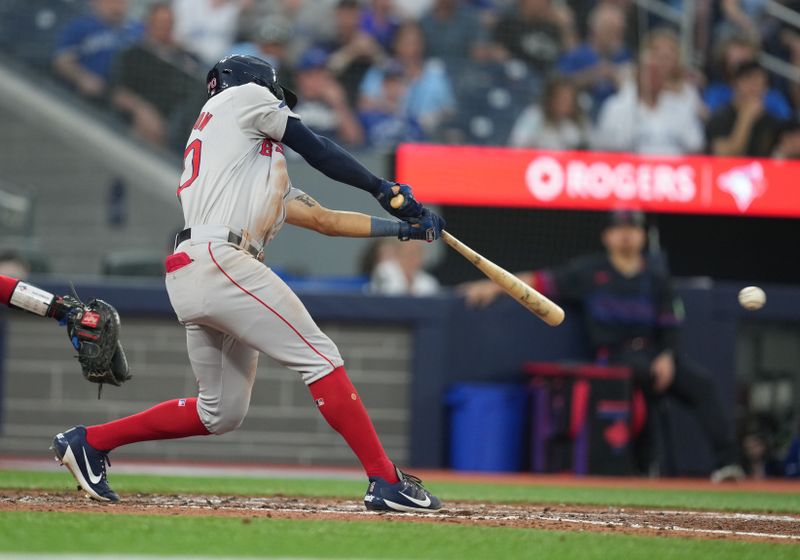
<point>752,298</point>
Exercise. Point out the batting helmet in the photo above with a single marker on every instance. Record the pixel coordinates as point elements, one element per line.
<point>237,70</point>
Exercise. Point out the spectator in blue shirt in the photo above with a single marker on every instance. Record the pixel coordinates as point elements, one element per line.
<point>87,46</point>
<point>386,123</point>
<point>731,54</point>
<point>429,96</point>
<point>379,21</point>
<point>595,65</point>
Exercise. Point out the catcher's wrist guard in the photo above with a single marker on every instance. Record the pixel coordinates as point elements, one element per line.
<point>31,299</point>
<point>62,307</point>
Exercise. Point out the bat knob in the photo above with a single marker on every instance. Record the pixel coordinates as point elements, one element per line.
<point>397,201</point>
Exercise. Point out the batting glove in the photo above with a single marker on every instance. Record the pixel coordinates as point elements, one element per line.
<point>427,227</point>
<point>410,208</point>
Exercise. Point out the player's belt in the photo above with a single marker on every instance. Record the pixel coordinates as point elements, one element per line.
<point>218,233</point>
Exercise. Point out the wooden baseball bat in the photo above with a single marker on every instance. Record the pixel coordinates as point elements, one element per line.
<point>535,302</point>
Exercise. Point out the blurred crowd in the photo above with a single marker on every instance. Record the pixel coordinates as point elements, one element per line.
<point>552,74</point>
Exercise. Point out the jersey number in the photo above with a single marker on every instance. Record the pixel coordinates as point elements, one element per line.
<point>191,157</point>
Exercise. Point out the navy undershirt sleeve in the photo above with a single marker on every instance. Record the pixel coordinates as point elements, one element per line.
<point>328,157</point>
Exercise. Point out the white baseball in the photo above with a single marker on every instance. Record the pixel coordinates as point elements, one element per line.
<point>752,298</point>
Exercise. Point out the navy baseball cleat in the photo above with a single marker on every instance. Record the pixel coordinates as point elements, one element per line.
<point>406,495</point>
<point>87,464</point>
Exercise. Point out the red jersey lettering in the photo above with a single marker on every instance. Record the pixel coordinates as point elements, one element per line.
<point>202,121</point>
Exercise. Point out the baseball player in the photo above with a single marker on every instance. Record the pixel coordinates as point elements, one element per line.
<point>633,318</point>
<point>236,194</point>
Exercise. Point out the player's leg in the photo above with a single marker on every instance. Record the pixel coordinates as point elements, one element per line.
<point>694,386</point>
<point>225,370</point>
<point>646,444</point>
<point>84,451</point>
<point>267,315</point>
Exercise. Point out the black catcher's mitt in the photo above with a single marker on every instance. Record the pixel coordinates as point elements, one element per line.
<point>93,329</point>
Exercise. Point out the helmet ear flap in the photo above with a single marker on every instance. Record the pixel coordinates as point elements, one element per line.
<point>289,96</point>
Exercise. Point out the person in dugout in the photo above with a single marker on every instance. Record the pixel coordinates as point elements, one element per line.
<point>633,318</point>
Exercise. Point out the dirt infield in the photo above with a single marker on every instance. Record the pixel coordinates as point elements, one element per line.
<point>694,524</point>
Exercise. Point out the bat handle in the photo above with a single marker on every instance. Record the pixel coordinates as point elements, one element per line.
<point>397,201</point>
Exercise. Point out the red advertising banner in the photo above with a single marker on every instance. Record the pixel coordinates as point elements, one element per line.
<point>483,176</point>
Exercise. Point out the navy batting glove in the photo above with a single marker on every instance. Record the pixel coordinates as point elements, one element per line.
<point>428,227</point>
<point>410,208</point>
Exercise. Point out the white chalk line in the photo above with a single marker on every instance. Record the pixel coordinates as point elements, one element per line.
<point>728,515</point>
<point>354,510</point>
<point>676,528</point>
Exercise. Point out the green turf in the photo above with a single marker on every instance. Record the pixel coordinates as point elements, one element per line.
<point>128,534</point>
<point>664,498</point>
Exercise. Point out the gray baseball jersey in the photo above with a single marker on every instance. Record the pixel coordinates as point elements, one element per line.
<point>232,305</point>
<point>234,170</point>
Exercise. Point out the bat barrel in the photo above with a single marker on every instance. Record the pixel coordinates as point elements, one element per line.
<point>535,302</point>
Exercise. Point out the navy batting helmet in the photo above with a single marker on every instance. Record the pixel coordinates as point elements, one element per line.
<point>237,70</point>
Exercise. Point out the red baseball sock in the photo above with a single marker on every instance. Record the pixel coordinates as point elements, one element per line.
<point>338,402</point>
<point>168,420</point>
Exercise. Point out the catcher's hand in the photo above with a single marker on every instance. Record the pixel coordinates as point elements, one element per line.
<point>93,329</point>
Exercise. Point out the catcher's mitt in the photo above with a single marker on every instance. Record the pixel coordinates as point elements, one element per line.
<point>93,329</point>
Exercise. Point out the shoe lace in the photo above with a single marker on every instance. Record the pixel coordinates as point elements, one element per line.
<point>104,460</point>
<point>411,478</point>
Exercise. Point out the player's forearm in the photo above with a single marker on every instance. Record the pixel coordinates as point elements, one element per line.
<point>21,295</point>
<point>356,224</point>
<point>307,213</point>
<point>344,224</point>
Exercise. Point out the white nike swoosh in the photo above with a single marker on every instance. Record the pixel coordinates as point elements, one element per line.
<point>421,503</point>
<point>95,478</point>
